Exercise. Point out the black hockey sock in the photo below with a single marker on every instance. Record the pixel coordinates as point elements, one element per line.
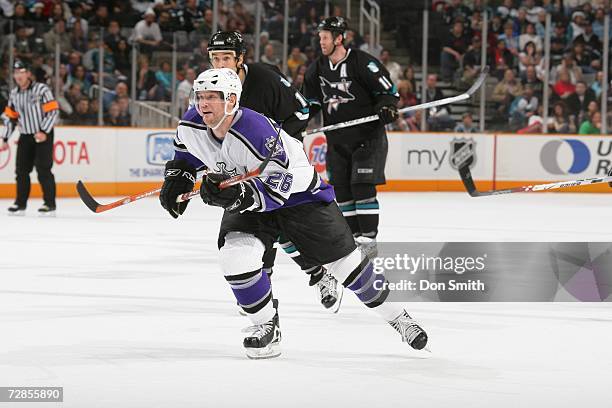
<point>347,206</point>
<point>366,209</point>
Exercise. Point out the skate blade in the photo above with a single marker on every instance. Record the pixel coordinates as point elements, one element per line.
<point>50,214</point>
<point>336,307</point>
<point>20,213</point>
<point>270,351</point>
<point>241,312</point>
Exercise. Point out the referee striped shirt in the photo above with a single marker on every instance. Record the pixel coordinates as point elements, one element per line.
<point>34,109</point>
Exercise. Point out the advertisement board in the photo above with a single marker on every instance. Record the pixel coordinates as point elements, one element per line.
<point>119,161</point>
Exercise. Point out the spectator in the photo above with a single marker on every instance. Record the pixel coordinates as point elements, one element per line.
<point>113,35</point>
<point>82,115</point>
<point>505,92</point>
<point>77,17</point>
<point>372,49</point>
<point>558,43</point>
<point>206,28</point>
<point>124,108</point>
<point>530,36</point>
<point>147,33</point>
<point>520,22</point>
<point>438,119</point>
<point>395,70</point>
<point>569,66</point>
<point>123,59</point>
<point>413,122</point>
<point>146,79</point>
<point>502,59</point>
<point>596,86</point>
<point>592,126</point>
<point>121,90</point>
<point>406,92</point>
<point>163,76</point>
<point>78,39</point>
<point>409,75</point>
<point>101,19</point>
<point>507,10</point>
<point>512,41</point>
<point>466,125</point>
<point>74,94</point>
<point>585,60</point>
<point>296,58</point>
<point>578,102</point>
<point>560,121</point>
<point>592,43</point>
<point>564,87</point>
<point>114,118</point>
<point>453,51</point>
<point>58,35</point>
<point>598,23</point>
<point>108,63</point>
<point>79,76</point>
<point>457,11</point>
<point>523,107</point>
<point>576,27</point>
<point>531,79</point>
<point>268,56</point>
<point>184,89</point>
<point>192,17</point>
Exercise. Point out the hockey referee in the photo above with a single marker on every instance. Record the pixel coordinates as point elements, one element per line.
<point>32,106</point>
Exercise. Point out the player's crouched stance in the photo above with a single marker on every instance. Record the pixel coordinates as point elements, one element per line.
<point>289,198</point>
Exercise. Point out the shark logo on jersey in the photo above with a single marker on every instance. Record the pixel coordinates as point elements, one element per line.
<point>279,147</point>
<point>222,168</point>
<point>335,93</point>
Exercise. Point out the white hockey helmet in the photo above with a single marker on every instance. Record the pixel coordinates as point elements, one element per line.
<point>223,80</point>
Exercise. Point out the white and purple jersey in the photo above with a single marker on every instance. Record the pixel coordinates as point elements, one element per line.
<point>288,179</point>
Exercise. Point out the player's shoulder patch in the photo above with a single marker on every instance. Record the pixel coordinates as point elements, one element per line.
<point>373,67</point>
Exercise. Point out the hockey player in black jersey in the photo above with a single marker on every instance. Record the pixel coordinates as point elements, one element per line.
<point>349,84</point>
<point>267,91</point>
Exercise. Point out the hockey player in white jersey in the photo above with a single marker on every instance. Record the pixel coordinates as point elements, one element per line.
<point>289,196</point>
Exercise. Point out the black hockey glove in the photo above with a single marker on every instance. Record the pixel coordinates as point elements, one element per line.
<point>179,178</point>
<point>234,199</point>
<point>388,114</point>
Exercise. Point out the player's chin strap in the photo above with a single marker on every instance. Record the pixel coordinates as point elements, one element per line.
<point>225,113</point>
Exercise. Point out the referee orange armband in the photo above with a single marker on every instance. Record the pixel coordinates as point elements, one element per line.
<point>49,106</point>
<point>10,113</point>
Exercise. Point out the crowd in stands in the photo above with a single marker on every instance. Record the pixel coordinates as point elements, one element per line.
<point>515,42</point>
<point>515,52</point>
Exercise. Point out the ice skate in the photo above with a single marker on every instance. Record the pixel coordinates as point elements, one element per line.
<point>16,211</point>
<point>46,211</point>
<point>411,332</point>
<point>368,246</point>
<point>264,341</point>
<point>329,292</point>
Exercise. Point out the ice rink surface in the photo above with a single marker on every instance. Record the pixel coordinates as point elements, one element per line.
<point>129,309</point>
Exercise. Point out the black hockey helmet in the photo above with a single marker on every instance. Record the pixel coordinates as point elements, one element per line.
<point>336,25</point>
<point>227,41</point>
<point>19,65</point>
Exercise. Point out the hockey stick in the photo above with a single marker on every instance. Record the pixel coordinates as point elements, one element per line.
<point>468,182</point>
<point>232,181</point>
<point>96,207</point>
<point>445,101</point>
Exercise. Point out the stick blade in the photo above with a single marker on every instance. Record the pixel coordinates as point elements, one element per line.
<point>468,182</point>
<point>87,199</point>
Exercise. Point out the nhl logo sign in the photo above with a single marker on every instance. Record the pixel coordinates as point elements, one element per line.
<point>463,153</point>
